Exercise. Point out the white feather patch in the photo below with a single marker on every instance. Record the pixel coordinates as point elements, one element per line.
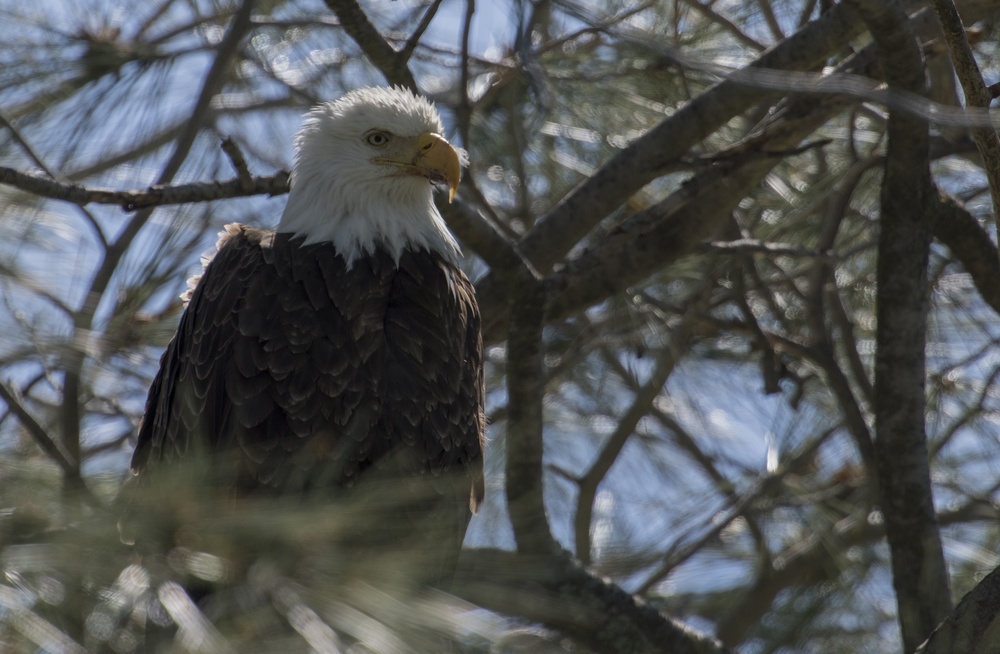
<point>338,194</point>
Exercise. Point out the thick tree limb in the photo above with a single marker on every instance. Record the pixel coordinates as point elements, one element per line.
<point>559,230</point>
<point>590,481</point>
<point>971,245</point>
<point>653,239</point>
<point>920,577</point>
<point>525,395</point>
<point>559,593</point>
<point>52,447</point>
<point>974,625</point>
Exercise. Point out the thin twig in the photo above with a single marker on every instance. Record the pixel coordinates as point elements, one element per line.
<point>38,161</point>
<point>239,162</point>
<point>49,445</point>
<point>411,43</point>
<point>464,108</point>
<point>228,48</point>
<point>706,10</point>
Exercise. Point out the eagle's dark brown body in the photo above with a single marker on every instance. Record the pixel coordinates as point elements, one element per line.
<point>293,371</point>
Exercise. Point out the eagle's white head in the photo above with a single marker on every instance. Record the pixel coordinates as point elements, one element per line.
<point>364,172</point>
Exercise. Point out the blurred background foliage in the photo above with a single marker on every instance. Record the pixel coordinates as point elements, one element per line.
<point>701,426</point>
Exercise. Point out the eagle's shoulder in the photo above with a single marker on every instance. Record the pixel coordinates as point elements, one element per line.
<point>203,334</point>
<point>234,238</point>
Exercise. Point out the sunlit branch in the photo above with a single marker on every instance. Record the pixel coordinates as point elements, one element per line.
<point>757,246</point>
<point>153,196</point>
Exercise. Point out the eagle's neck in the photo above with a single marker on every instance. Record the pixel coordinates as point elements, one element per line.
<point>359,216</point>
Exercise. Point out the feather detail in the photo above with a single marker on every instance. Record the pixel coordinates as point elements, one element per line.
<point>284,343</point>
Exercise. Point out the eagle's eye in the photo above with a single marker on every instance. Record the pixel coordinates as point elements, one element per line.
<point>377,138</point>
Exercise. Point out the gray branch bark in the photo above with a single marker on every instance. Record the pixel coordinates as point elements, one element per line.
<point>153,196</point>
<point>920,577</point>
<point>559,593</point>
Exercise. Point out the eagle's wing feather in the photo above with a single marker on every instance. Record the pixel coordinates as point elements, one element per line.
<point>303,372</point>
<point>434,375</point>
<point>184,396</point>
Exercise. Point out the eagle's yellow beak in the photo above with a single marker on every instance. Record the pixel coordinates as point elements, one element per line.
<point>430,156</point>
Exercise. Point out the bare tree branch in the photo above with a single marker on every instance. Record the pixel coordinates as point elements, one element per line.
<point>525,395</point>
<point>976,95</point>
<point>154,196</point>
<point>592,611</point>
<point>973,626</point>
<point>639,163</point>
<point>239,162</point>
<point>378,51</point>
<point>49,445</point>
<point>70,410</point>
<point>901,456</point>
<point>37,159</point>
<point>411,43</point>
<point>590,481</point>
<point>961,232</point>
<point>642,402</point>
<point>562,227</point>
<point>705,8</point>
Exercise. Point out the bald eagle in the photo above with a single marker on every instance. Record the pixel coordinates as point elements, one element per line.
<point>345,343</point>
